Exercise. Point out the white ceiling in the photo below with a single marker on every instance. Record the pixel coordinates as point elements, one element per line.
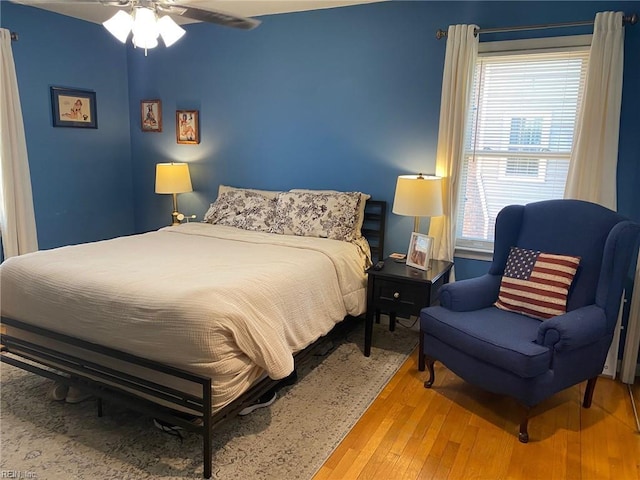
<point>94,11</point>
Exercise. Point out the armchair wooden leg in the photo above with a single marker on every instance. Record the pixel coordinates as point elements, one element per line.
<point>588,393</point>
<point>432,375</point>
<point>523,435</point>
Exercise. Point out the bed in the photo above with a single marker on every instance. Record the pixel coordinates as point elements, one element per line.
<point>202,317</point>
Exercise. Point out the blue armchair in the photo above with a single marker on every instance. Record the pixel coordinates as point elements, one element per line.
<point>511,353</point>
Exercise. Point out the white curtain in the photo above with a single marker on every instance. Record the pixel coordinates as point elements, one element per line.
<point>592,171</point>
<point>457,80</point>
<point>17,219</point>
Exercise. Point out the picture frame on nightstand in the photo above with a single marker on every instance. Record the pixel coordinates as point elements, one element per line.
<point>419,254</point>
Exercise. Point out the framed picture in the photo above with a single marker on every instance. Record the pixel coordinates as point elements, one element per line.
<point>419,251</point>
<point>73,108</point>
<point>151,115</point>
<point>187,127</point>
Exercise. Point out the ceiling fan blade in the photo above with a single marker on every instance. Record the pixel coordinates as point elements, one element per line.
<point>111,3</point>
<point>209,16</point>
<point>116,3</point>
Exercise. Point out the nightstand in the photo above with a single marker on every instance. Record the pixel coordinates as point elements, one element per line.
<point>401,291</point>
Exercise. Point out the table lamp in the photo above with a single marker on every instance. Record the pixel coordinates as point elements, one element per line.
<point>418,196</point>
<point>173,178</point>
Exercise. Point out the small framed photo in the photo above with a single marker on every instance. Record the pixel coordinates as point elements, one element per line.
<point>73,108</point>
<point>187,127</point>
<point>151,115</point>
<point>419,254</point>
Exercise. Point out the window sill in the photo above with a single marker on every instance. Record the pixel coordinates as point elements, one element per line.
<point>473,254</point>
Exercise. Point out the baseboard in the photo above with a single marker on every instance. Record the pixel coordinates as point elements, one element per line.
<point>618,363</point>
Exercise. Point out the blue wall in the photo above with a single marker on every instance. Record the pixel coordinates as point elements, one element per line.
<point>81,178</point>
<point>327,99</point>
<point>342,98</point>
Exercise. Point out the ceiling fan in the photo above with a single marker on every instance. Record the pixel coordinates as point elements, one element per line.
<point>178,8</point>
<point>150,20</point>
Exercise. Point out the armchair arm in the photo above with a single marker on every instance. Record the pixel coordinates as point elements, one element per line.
<point>574,329</point>
<point>470,294</point>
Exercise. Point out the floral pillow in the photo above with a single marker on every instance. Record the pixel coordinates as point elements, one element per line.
<point>270,194</point>
<point>243,209</point>
<point>324,215</point>
<point>361,206</point>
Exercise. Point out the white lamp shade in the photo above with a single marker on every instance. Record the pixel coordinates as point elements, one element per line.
<point>145,28</point>
<point>418,196</point>
<point>173,178</point>
<point>170,31</point>
<point>119,25</point>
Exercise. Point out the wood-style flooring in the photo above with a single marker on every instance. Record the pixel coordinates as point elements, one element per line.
<point>457,431</point>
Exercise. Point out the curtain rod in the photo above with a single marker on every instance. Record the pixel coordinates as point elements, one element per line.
<point>626,20</point>
<point>14,36</point>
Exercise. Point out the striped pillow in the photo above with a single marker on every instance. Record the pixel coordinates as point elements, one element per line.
<point>535,283</point>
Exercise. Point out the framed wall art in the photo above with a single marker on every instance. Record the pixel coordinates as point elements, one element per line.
<point>151,115</point>
<point>419,254</point>
<point>74,108</point>
<point>187,127</point>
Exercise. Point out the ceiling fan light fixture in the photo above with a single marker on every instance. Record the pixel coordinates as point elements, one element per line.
<point>170,31</point>
<point>119,25</point>
<point>142,18</point>
<point>145,27</point>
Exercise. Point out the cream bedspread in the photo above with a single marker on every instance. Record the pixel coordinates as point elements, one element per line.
<point>215,300</point>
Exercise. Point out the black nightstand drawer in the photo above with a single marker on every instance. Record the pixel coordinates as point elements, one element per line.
<point>401,298</point>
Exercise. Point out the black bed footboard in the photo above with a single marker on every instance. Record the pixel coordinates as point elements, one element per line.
<point>106,383</point>
<point>134,391</point>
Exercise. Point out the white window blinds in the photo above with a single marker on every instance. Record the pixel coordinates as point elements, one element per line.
<point>521,123</point>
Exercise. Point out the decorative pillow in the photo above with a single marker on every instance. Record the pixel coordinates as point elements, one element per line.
<point>361,206</point>
<point>324,215</point>
<point>271,194</point>
<point>243,209</point>
<point>535,283</point>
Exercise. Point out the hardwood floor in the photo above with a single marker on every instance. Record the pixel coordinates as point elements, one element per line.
<point>456,431</point>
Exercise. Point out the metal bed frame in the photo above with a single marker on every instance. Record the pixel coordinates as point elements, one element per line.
<point>138,393</point>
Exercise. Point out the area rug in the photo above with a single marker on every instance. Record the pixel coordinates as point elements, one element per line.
<point>291,439</point>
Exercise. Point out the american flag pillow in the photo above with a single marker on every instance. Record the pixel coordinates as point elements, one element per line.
<point>535,283</point>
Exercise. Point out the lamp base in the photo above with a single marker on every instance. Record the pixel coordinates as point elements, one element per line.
<point>175,213</point>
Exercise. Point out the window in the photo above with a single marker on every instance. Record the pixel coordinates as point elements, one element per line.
<point>525,135</point>
<point>520,128</point>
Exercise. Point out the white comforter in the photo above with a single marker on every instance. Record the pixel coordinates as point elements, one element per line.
<point>215,300</point>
